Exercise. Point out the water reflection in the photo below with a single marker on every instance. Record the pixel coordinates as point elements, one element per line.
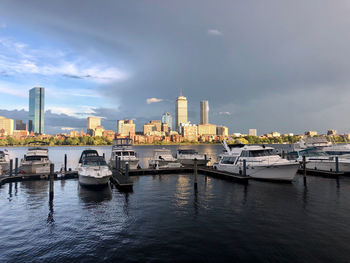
<point>50,219</point>
<point>182,193</point>
<point>90,195</point>
<point>10,192</point>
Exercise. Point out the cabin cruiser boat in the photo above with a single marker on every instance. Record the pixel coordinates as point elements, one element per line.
<point>322,144</point>
<point>93,169</point>
<point>261,162</point>
<point>4,161</point>
<point>317,159</point>
<point>188,156</point>
<point>163,158</point>
<point>122,148</point>
<point>36,161</point>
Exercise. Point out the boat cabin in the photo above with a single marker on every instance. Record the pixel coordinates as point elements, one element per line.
<point>87,154</point>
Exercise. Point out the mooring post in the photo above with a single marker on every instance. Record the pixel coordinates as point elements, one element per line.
<point>283,154</point>
<point>119,163</point>
<point>65,163</point>
<point>126,170</point>
<point>16,166</point>
<point>195,173</point>
<point>52,168</point>
<point>337,164</point>
<point>244,167</point>
<point>304,165</point>
<point>11,166</point>
<point>104,156</point>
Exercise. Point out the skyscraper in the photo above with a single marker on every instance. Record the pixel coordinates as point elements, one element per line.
<point>36,110</point>
<point>166,118</point>
<point>204,112</point>
<point>92,124</point>
<point>126,128</point>
<point>180,111</point>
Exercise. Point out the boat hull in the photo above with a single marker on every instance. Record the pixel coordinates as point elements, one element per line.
<point>164,164</point>
<point>190,162</point>
<point>133,164</point>
<point>35,168</point>
<point>285,172</point>
<point>5,166</point>
<point>86,180</point>
<point>328,166</point>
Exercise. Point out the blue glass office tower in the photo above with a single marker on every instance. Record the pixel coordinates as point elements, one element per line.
<point>36,110</point>
<point>166,118</point>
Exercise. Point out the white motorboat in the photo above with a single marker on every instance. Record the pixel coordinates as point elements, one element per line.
<point>36,161</point>
<point>4,161</point>
<point>317,159</point>
<point>163,158</point>
<point>261,162</point>
<point>93,169</point>
<point>123,149</point>
<point>188,156</point>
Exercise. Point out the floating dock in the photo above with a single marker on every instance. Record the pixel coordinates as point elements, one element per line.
<point>30,177</point>
<point>121,181</point>
<point>313,172</point>
<point>186,170</point>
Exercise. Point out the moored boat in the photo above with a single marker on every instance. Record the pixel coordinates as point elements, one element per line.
<point>163,158</point>
<point>261,162</point>
<point>122,149</point>
<point>4,161</point>
<point>92,169</point>
<point>36,161</point>
<point>187,157</point>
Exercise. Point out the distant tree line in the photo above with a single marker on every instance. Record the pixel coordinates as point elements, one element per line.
<point>98,141</point>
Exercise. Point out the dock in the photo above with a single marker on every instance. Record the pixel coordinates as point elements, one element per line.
<point>121,181</point>
<point>30,177</point>
<point>329,174</point>
<point>188,170</point>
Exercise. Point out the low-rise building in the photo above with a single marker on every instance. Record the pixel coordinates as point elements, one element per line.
<point>331,132</point>
<point>7,125</point>
<point>108,134</point>
<point>222,131</point>
<point>189,132</point>
<point>311,133</point>
<point>207,129</point>
<point>252,132</point>
<point>126,128</point>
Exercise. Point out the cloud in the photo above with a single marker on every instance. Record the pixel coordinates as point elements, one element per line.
<point>67,128</point>
<point>214,32</point>
<point>224,113</point>
<point>3,25</point>
<point>19,58</point>
<point>153,100</point>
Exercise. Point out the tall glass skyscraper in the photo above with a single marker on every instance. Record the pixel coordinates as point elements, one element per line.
<point>36,110</point>
<point>166,118</point>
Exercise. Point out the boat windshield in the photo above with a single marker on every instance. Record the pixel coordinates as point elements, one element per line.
<point>35,158</point>
<point>258,153</point>
<point>312,153</point>
<point>94,161</point>
<point>187,152</point>
<point>228,160</point>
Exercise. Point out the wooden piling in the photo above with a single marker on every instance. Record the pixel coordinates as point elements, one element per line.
<point>304,165</point>
<point>337,164</point>
<point>283,154</point>
<point>244,167</point>
<point>52,168</point>
<point>16,166</point>
<point>11,166</point>
<point>65,163</point>
<point>195,173</point>
<point>127,170</point>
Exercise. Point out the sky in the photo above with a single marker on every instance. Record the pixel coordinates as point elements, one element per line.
<point>270,65</point>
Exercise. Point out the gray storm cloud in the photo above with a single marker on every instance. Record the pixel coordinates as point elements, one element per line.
<point>273,65</point>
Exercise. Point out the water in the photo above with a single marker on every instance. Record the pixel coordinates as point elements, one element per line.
<point>165,220</point>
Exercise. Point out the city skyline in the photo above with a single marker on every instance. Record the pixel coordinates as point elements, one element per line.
<point>252,79</point>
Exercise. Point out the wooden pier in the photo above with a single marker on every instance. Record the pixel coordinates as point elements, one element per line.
<point>121,181</point>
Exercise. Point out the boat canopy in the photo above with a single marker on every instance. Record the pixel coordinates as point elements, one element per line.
<point>88,153</point>
<point>257,153</point>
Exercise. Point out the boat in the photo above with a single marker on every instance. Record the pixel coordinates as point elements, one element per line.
<point>122,148</point>
<point>93,169</point>
<point>261,162</point>
<point>187,157</point>
<point>36,161</point>
<point>318,159</point>
<point>4,161</point>
<point>163,158</point>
